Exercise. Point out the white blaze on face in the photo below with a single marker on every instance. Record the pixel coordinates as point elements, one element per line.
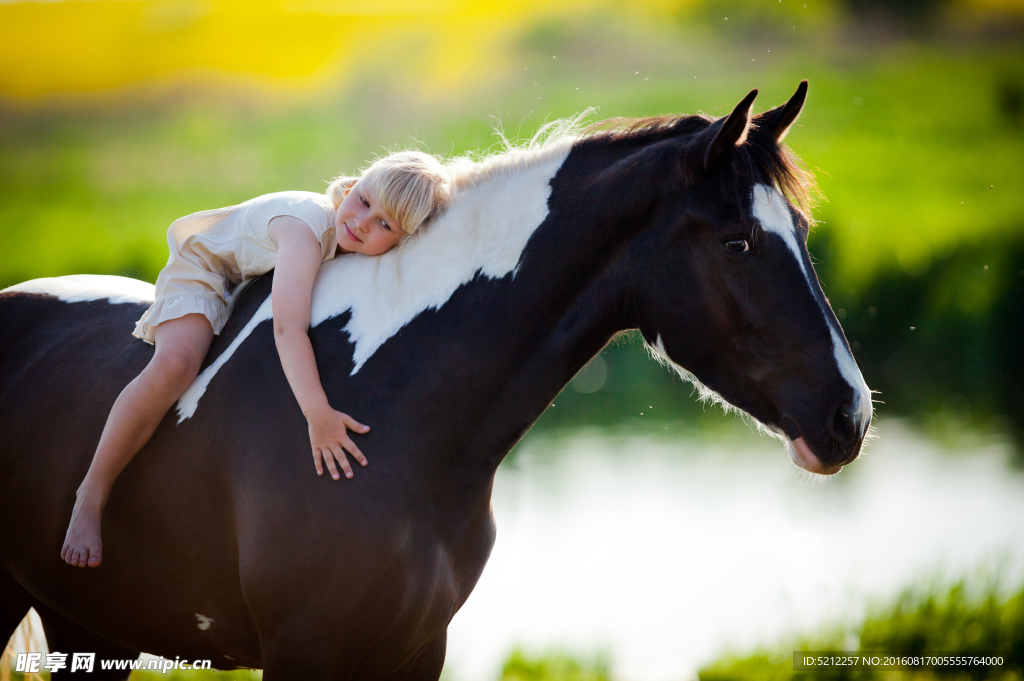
<point>484,232</point>
<point>772,211</point>
<point>80,288</point>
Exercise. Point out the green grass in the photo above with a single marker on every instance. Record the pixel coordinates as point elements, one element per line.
<point>553,666</point>
<point>954,619</point>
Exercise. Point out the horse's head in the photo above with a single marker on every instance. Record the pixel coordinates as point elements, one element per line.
<point>728,293</point>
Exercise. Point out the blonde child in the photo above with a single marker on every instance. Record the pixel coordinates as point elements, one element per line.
<point>212,251</point>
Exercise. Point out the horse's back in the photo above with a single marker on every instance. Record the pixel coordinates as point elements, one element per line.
<point>67,317</point>
<point>57,349</point>
<point>63,361</point>
<point>65,354</point>
<point>68,340</point>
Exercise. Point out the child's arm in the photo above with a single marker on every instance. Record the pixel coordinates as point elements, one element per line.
<point>298,259</point>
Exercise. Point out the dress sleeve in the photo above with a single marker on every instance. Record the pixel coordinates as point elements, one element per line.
<point>315,211</point>
<point>324,231</point>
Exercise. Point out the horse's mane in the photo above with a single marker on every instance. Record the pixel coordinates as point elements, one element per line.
<point>550,140</point>
<point>759,159</point>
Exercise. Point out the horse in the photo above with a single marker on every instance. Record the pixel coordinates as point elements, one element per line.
<point>221,543</point>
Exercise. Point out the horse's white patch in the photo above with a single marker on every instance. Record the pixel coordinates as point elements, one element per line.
<point>79,288</point>
<point>772,211</point>
<point>483,232</point>
<point>862,405</point>
<point>204,622</point>
<point>189,400</point>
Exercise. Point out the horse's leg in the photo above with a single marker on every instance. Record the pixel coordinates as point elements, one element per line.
<point>64,636</point>
<point>14,605</point>
<point>428,664</point>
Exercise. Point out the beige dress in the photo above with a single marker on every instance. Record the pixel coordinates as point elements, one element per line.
<point>214,251</point>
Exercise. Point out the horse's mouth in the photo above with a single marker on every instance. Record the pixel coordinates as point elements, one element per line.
<point>802,456</point>
<point>800,452</point>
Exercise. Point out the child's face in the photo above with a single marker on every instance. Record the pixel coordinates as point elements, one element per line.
<point>362,226</point>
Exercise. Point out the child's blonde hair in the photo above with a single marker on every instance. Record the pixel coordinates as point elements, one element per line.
<point>413,187</point>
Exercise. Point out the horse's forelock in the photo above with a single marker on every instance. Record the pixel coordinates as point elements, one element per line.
<point>778,166</point>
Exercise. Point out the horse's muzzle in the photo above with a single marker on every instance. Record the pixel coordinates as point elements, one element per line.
<point>847,425</point>
<point>801,454</point>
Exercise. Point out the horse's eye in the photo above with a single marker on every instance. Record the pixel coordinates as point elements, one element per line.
<point>738,246</point>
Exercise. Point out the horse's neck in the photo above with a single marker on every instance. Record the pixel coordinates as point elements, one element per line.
<point>561,306</point>
<point>505,297</point>
<point>539,366</point>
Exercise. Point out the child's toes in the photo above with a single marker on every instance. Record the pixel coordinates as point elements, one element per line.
<point>94,558</point>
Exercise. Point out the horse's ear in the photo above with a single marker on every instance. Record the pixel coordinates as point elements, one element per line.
<point>777,122</point>
<point>733,131</point>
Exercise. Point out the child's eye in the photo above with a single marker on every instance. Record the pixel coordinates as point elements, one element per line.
<point>385,225</point>
<point>365,202</point>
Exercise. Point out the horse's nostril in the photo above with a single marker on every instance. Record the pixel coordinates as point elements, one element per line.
<point>843,426</point>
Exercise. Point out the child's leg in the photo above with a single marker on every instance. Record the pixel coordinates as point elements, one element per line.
<point>181,345</point>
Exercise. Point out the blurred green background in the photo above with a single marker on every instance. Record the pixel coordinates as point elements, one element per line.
<point>116,117</point>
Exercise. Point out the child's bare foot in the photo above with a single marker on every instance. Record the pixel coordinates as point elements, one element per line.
<point>82,544</point>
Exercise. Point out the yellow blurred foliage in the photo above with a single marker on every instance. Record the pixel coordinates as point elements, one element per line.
<point>1005,6</point>
<point>83,46</point>
<point>89,46</point>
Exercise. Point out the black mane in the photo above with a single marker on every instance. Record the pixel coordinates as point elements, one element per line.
<point>759,159</point>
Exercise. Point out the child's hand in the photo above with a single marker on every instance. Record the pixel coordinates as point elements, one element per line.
<point>328,437</point>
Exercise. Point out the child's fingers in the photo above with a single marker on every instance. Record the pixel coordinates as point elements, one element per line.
<point>351,448</point>
<point>342,460</point>
<point>352,424</point>
<point>317,457</point>
<point>329,460</point>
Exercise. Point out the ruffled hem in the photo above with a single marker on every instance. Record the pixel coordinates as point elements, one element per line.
<point>172,307</point>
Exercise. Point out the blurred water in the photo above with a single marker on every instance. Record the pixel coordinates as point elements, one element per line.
<point>664,552</point>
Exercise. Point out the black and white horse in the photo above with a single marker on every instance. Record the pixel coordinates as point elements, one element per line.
<point>220,542</point>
